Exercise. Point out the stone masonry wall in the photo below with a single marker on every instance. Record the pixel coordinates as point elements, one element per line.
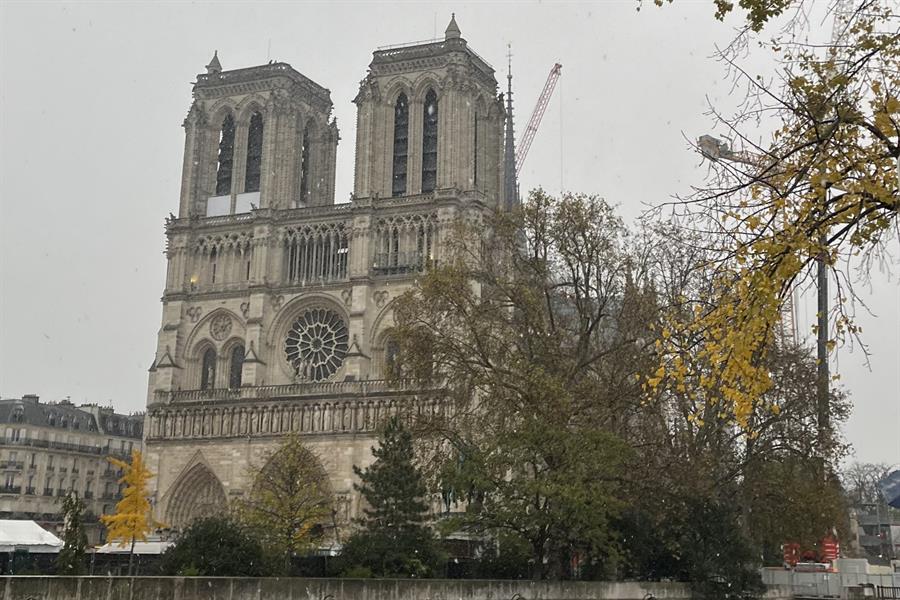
<point>226,588</point>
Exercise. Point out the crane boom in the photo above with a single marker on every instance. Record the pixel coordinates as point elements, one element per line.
<point>537,115</point>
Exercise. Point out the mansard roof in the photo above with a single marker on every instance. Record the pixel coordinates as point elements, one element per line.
<point>29,410</point>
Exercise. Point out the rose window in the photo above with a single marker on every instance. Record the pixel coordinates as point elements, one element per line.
<point>316,344</point>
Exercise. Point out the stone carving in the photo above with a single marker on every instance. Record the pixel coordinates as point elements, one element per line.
<point>347,297</point>
<point>245,309</point>
<point>381,298</point>
<point>277,301</point>
<point>194,313</point>
<point>220,327</point>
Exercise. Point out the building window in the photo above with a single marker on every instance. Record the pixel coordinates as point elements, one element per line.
<point>391,359</point>
<point>254,153</point>
<point>429,142</point>
<point>304,168</point>
<point>208,370</point>
<point>226,157</point>
<point>237,364</point>
<point>401,145</point>
<point>316,344</point>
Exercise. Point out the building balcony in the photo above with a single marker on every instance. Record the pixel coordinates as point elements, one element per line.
<point>319,389</point>
<point>80,448</point>
<point>10,489</point>
<point>12,465</point>
<point>60,492</point>
<point>63,469</point>
<point>29,491</point>
<point>48,491</point>
<point>50,468</point>
<point>108,496</point>
<point>32,467</point>
<point>88,495</point>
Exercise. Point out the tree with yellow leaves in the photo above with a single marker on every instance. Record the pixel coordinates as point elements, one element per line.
<point>290,500</point>
<point>132,521</point>
<point>824,187</point>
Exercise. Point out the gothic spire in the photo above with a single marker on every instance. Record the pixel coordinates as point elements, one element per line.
<point>510,185</point>
<point>452,32</point>
<point>214,65</point>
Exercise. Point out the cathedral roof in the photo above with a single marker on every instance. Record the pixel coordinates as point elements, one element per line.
<point>220,83</point>
<point>413,56</point>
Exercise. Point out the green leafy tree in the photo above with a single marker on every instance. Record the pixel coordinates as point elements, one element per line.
<point>518,332</point>
<point>70,560</point>
<point>289,502</point>
<point>395,539</point>
<point>216,547</point>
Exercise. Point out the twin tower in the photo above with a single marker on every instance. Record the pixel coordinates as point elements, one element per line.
<point>277,310</point>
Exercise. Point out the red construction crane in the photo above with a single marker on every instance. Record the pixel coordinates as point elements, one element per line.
<point>536,116</point>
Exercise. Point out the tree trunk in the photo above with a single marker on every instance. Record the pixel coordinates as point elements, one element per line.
<point>131,557</point>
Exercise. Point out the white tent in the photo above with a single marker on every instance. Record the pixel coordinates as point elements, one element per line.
<point>27,535</point>
<point>142,548</point>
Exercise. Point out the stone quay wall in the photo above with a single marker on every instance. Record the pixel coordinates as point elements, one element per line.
<point>26,587</point>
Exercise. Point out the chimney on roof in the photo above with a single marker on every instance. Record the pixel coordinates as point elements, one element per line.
<point>452,32</point>
<point>34,397</point>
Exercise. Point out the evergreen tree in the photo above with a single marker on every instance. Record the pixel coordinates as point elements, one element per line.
<point>216,546</point>
<point>70,560</point>
<point>395,539</point>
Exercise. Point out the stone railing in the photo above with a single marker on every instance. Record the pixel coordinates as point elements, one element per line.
<point>324,389</point>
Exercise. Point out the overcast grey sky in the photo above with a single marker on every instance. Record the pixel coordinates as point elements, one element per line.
<point>92,96</point>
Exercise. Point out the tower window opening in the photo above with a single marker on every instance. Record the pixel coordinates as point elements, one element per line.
<point>429,142</point>
<point>226,157</point>
<point>254,154</point>
<point>475,153</point>
<point>213,256</point>
<point>401,145</point>
<point>304,168</point>
<point>237,365</point>
<point>248,271</point>
<point>208,370</point>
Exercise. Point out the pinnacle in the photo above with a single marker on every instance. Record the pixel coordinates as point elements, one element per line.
<point>214,65</point>
<point>452,32</point>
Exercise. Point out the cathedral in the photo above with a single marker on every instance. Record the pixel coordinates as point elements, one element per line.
<point>277,309</point>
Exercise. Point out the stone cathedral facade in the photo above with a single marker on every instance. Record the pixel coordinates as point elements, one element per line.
<point>277,309</point>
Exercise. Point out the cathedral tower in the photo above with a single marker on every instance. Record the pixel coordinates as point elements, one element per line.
<point>278,305</point>
<point>429,118</point>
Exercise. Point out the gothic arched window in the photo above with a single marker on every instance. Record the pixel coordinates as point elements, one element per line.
<point>237,364</point>
<point>226,157</point>
<point>401,145</point>
<point>391,359</point>
<point>254,153</point>
<point>304,168</point>
<point>208,370</point>
<point>429,142</point>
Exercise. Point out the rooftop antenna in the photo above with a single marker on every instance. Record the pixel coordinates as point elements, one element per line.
<point>269,51</point>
